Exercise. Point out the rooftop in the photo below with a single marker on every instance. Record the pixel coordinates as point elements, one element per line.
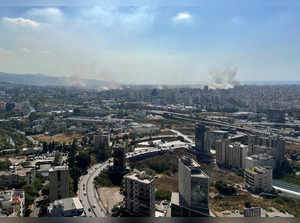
<point>59,168</point>
<point>69,203</point>
<point>194,167</point>
<point>257,170</point>
<point>140,177</point>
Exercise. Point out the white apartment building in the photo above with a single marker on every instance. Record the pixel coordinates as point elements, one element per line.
<point>140,194</point>
<point>258,179</point>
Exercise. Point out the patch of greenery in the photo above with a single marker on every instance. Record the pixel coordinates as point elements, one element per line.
<point>285,204</point>
<point>225,189</point>
<point>4,165</point>
<point>166,163</point>
<point>291,179</point>
<point>162,195</point>
<point>103,180</point>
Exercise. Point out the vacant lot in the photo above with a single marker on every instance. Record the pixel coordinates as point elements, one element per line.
<point>110,196</point>
<point>60,138</point>
<point>293,146</point>
<point>169,183</point>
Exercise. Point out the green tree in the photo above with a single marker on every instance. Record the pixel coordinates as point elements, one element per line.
<point>4,165</point>
<point>162,195</point>
<point>57,159</point>
<point>83,160</point>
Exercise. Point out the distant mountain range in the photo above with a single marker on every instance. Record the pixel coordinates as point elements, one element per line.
<point>44,80</point>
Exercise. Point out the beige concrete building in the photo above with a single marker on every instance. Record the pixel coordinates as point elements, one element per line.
<point>273,145</point>
<point>258,179</point>
<point>221,146</point>
<point>231,155</point>
<point>59,183</point>
<point>140,194</point>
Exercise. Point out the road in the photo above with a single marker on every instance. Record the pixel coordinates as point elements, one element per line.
<point>88,193</point>
<point>287,189</point>
<point>186,138</point>
<point>32,109</point>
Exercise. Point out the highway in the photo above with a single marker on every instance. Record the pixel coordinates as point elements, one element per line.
<point>88,194</point>
<point>287,189</point>
<point>186,138</point>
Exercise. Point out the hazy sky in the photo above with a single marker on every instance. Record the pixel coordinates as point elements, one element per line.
<point>153,41</point>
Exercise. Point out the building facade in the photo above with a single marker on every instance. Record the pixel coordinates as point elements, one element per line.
<point>140,194</point>
<point>68,207</point>
<point>59,183</point>
<point>273,145</point>
<point>262,159</point>
<point>252,212</point>
<point>102,138</point>
<point>231,155</point>
<point>212,137</point>
<point>200,138</point>
<point>193,185</point>
<point>13,202</point>
<point>258,179</point>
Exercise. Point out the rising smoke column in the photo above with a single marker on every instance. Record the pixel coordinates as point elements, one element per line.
<point>224,78</point>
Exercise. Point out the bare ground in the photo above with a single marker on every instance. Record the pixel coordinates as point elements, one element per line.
<point>110,196</point>
<point>61,138</point>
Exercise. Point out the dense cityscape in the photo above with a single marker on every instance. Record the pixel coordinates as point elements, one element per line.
<point>147,151</point>
<point>152,110</point>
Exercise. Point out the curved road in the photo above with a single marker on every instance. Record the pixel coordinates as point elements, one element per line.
<point>87,192</point>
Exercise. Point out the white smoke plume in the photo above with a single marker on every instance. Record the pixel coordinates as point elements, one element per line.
<point>224,79</point>
<point>104,77</point>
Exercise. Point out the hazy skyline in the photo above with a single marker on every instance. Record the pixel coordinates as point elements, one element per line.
<point>151,42</point>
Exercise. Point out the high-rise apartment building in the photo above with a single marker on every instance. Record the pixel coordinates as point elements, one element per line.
<point>59,183</point>
<point>231,155</point>
<point>273,145</point>
<point>140,194</point>
<point>221,146</point>
<point>102,138</point>
<point>193,185</point>
<point>212,137</point>
<point>119,157</point>
<point>200,138</point>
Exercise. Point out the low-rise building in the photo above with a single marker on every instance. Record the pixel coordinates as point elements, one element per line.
<point>252,212</point>
<point>68,207</point>
<point>258,179</point>
<point>140,194</point>
<point>12,202</point>
<point>13,178</point>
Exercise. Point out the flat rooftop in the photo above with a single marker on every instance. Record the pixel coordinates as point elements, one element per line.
<point>59,168</point>
<point>194,167</point>
<point>141,177</point>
